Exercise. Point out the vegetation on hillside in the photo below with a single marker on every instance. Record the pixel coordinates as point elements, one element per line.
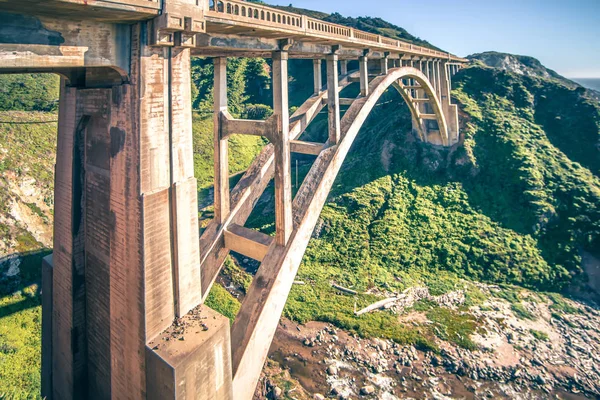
<point>29,92</point>
<point>508,207</point>
<point>27,148</point>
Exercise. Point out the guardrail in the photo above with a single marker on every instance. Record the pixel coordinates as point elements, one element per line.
<point>259,15</point>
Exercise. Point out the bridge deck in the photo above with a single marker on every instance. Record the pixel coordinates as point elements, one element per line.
<point>100,10</point>
<point>256,20</point>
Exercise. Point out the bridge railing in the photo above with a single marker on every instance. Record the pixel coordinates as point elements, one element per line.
<point>263,16</point>
<point>320,26</point>
<point>255,14</point>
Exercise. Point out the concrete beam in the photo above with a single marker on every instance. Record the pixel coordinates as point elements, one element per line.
<point>309,148</point>
<point>347,101</point>
<point>247,242</point>
<point>231,126</point>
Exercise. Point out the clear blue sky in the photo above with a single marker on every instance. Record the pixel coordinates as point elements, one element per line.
<point>563,34</point>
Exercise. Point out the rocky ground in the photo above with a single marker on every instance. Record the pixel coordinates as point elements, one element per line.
<point>556,354</point>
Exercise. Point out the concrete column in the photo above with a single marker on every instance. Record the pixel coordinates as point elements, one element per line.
<point>428,69</point>
<point>318,78</point>
<point>221,153</point>
<point>333,98</point>
<point>184,187</point>
<point>384,65</point>
<point>125,260</point>
<point>344,67</point>
<point>283,171</point>
<point>364,75</point>
<point>438,79</point>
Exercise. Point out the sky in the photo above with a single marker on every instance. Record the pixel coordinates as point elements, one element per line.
<point>563,34</point>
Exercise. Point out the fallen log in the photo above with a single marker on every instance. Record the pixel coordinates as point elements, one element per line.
<point>376,306</point>
<point>345,290</point>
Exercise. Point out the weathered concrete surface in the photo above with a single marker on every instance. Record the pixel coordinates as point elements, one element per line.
<point>191,359</point>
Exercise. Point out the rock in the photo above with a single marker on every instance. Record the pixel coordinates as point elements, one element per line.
<point>366,390</point>
<point>277,392</point>
<point>318,397</point>
<point>332,370</point>
<point>13,267</point>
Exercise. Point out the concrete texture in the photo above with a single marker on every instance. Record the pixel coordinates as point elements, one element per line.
<point>191,359</point>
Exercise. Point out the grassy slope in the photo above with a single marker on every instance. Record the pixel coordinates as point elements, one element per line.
<point>509,207</point>
<point>26,150</point>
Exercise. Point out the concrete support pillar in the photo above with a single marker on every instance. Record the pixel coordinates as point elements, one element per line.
<point>333,98</point>
<point>438,78</point>
<point>384,65</point>
<point>184,187</point>
<point>344,67</point>
<point>428,69</point>
<point>126,246</point>
<point>318,78</point>
<point>283,171</point>
<point>364,75</point>
<point>221,146</point>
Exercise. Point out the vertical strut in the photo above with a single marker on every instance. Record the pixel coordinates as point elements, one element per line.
<point>333,98</point>
<point>384,65</point>
<point>344,67</point>
<point>364,75</point>
<point>281,142</point>
<point>222,207</point>
<point>318,78</point>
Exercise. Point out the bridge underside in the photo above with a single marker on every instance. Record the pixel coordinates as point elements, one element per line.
<point>129,270</point>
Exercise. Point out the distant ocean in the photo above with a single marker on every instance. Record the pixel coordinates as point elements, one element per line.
<point>591,83</point>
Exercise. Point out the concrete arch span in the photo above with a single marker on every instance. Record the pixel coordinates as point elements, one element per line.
<point>263,304</point>
<point>441,137</point>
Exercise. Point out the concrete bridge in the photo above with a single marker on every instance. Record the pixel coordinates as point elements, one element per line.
<point>129,268</point>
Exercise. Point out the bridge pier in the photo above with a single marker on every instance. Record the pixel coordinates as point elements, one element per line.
<point>126,256</point>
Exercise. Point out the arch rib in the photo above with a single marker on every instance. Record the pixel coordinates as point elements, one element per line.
<point>249,189</point>
<point>254,328</point>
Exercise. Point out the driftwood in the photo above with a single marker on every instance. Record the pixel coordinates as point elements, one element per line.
<point>376,306</point>
<point>299,283</point>
<point>343,289</point>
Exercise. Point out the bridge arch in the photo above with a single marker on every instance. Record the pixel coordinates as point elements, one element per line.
<point>394,78</point>
<point>266,296</point>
